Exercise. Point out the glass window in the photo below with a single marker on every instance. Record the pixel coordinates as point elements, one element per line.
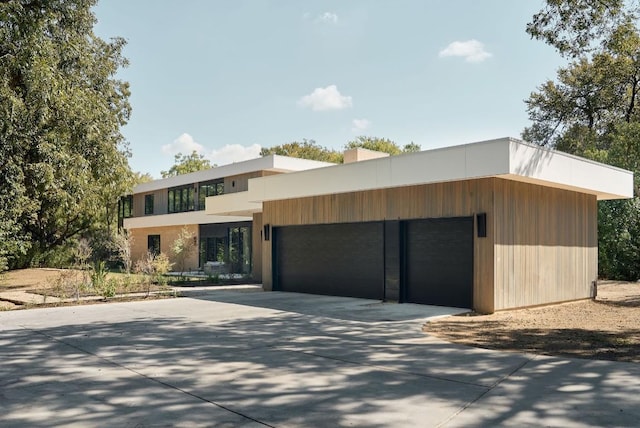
<point>181,199</point>
<point>210,188</point>
<point>125,206</point>
<point>148,204</point>
<point>153,244</point>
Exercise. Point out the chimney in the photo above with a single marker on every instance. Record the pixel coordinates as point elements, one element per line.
<point>359,154</point>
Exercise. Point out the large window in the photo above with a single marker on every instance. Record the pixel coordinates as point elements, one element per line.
<point>181,199</point>
<point>153,244</point>
<point>148,204</point>
<point>210,188</point>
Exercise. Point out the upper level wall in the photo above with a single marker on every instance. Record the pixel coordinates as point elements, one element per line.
<point>232,184</point>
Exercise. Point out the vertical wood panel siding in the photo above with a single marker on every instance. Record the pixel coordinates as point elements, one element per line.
<point>545,244</point>
<point>455,199</point>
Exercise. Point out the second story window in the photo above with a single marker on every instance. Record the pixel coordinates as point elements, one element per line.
<point>125,206</point>
<point>148,204</point>
<point>181,199</point>
<point>209,188</point>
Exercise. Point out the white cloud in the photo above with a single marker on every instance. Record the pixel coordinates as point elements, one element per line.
<point>359,125</point>
<point>328,98</point>
<point>233,153</point>
<point>324,18</point>
<point>227,154</point>
<point>327,18</point>
<point>471,51</point>
<point>184,144</point>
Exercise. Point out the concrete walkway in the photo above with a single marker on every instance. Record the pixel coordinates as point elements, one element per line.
<point>253,359</point>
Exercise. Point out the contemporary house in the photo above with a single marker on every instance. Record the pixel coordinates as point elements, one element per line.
<point>157,211</point>
<point>491,225</point>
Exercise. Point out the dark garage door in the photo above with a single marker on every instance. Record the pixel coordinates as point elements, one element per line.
<point>332,259</point>
<point>439,262</point>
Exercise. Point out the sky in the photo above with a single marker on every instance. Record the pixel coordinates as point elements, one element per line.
<point>228,77</point>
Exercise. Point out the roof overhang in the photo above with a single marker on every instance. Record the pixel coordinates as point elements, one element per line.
<point>506,158</point>
<point>179,219</point>
<point>232,204</point>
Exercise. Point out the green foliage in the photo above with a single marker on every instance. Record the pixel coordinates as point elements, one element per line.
<point>98,275</point>
<point>185,164</point>
<point>183,247</point>
<point>381,145</point>
<point>574,27</point>
<point>309,149</point>
<point>305,149</point>
<point>591,109</point>
<point>64,160</point>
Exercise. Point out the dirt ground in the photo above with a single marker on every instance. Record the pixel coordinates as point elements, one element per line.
<point>47,281</point>
<point>606,328</point>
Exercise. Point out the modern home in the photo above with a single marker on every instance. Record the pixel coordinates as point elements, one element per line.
<point>490,225</point>
<point>157,212</point>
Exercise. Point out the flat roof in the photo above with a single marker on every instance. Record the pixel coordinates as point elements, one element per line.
<point>507,158</point>
<point>267,163</point>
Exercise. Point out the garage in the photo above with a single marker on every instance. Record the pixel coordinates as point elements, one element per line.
<point>439,262</point>
<point>333,259</point>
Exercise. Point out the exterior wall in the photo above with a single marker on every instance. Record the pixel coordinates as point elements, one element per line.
<point>167,236</point>
<point>454,199</point>
<point>541,244</point>
<point>239,183</point>
<point>256,247</point>
<point>546,244</point>
<point>160,203</point>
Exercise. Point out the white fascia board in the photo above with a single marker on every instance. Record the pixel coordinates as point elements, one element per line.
<point>266,163</point>
<point>179,219</point>
<point>232,204</point>
<point>506,157</point>
<point>439,165</point>
<point>557,169</point>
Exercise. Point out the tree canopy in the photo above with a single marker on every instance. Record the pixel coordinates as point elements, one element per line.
<point>309,149</point>
<point>64,160</point>
<point>184,164</point>
<point>305,149</point>
<point>591,108</point>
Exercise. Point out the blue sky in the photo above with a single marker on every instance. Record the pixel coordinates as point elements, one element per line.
<point>228,77</point>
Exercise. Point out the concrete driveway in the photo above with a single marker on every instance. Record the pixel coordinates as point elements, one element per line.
<point>248,359</point>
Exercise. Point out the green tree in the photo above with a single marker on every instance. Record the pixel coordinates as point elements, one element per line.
<point>591,109</point>
<point>64,158</point>
<point>577,27</point>
<point>381,145</point>
<point>184,164</point>
<point>183,247</point>
<point>305,149</point>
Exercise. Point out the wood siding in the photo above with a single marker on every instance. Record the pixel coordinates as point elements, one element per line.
<point>546,246</point>
<point>455,199</point>
<point>160,203</point>
<point>167,236</point>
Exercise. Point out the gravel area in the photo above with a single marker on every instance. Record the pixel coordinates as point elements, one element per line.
<point>605,328</point>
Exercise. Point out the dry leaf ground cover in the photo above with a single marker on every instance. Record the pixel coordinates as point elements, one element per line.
<point>605,328</point>
<point>63,284</point>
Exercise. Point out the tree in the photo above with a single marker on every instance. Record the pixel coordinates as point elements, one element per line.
<point>592,109</point>
<point>381,145</point>
<point>309,149</point>
<point>305,149</point>
<point>64,159</point>
<point>576,27</point>
<point>183,247</point>
<point>184,164</point>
